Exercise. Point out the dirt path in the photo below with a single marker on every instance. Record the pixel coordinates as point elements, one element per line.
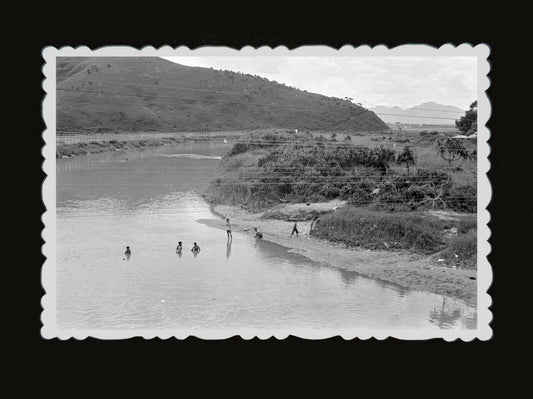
<point>403,268</point>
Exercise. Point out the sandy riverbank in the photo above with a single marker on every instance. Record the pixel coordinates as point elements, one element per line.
<point>404,268</point>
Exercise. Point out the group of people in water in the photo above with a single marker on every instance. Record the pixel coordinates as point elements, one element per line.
<point>195,248</point>
<point>257,234</point>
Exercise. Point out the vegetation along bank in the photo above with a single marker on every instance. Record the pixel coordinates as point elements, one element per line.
<point>412,195</point>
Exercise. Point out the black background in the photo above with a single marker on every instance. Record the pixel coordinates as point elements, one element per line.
<point>494,368</point>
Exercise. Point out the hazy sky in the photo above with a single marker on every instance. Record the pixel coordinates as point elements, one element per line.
<point>392,81</point>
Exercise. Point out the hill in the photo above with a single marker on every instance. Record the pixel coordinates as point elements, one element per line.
<point>425,114</point>
<point>153,94</point>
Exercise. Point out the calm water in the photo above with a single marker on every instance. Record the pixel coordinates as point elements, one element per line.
<point>149,200</point>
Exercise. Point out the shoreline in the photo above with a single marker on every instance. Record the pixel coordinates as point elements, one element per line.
<point>407,269</point>
<point>100,146</point>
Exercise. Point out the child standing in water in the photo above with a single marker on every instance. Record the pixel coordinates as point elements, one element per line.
<point>228,230</point>
<point>179,247</point>
<point>195,248</point>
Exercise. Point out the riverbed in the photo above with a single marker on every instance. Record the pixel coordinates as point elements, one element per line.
<point>150,199</point>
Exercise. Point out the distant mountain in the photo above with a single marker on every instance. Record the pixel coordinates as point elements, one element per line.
<point>153,94</point>
<point>426,114</point>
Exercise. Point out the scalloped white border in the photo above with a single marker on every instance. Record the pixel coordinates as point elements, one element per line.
<point>48,317</point>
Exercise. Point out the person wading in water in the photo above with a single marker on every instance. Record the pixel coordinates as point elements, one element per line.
<point>295,229</point>
<point>128,252</point>
<point>195,249</point>
<point>228,230</point>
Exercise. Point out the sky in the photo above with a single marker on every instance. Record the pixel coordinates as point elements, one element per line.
<point>390,81</point>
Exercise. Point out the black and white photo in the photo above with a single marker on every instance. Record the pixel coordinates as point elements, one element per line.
<point>266,192</point>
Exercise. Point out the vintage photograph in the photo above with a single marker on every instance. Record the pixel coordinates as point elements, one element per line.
<point>312,192</point>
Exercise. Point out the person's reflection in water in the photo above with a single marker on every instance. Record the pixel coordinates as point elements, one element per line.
<point>228,249</point>
<point>447,316</point>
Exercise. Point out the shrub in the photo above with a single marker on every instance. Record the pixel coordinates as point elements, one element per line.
<point>467,224</point>
<point>452,149</point>
<point>407,158</point>
<point>462,198</point>
<point>464,245</point>
<point>462,249</point>
<point>238,148</point>
<point>378,230</point>
<point>228,191</point>
<point>361,194</point>
<point>288,169</point>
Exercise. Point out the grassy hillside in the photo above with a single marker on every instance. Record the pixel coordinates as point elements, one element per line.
<point>153,94</point>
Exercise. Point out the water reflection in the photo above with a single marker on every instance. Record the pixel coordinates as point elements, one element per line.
<point>228,249</point>
<point>447,316</point>
<point>136,175</point>
<point>104,159</point>
<point>275,251</point>
<point>348,277</point>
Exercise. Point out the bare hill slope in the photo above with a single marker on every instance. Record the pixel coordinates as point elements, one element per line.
<point>153,94</point>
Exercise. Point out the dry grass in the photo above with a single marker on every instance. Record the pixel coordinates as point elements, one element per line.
<point>381,230</point>
<point>422,145</point>
<point>461,250</point>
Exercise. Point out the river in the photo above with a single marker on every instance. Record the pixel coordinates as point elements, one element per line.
<point>149,200</point>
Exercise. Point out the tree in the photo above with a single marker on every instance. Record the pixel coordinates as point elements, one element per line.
<point>451,149</point>
<point>467,124</point>
<point>407,158</point>
<point>379,158</point>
